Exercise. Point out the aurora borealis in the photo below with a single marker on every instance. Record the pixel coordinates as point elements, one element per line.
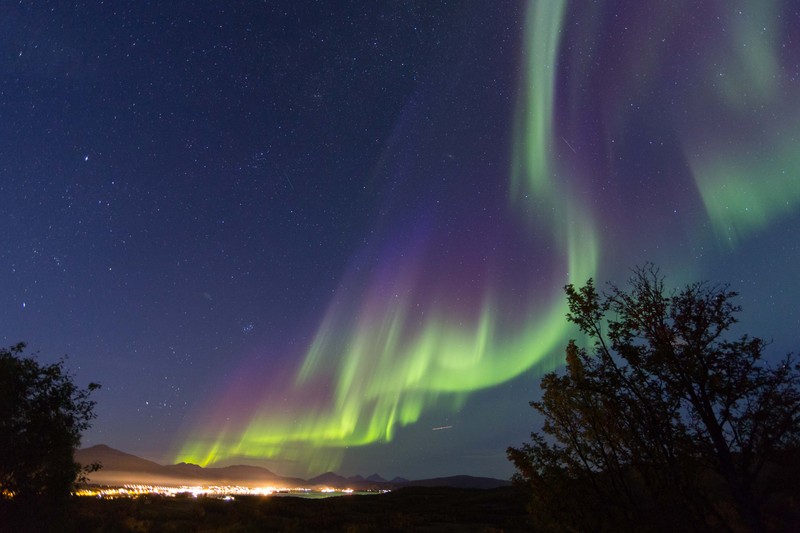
<point>304,236</point>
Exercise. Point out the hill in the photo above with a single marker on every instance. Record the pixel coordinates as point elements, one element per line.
<point>120,468</point>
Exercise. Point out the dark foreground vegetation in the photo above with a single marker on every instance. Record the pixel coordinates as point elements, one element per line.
<point>667,422</point>
<point>42,416</point>
<point>408,509</point>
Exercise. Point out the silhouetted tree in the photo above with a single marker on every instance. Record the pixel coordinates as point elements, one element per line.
<point>42,416</point>
<point>664,424</point>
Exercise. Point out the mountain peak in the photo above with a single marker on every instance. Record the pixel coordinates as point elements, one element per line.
<point>100,447</point>
<point>120,468</point>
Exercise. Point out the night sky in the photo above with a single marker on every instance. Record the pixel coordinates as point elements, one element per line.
<point>334,235</point>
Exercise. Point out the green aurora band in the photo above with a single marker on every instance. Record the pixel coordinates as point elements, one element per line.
<point>376,364</point>
<point>387,368</point>
<point>743,195</point>
<point>746,181</point>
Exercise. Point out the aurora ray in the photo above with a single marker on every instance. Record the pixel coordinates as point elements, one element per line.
<point>747,174</point>
<point>411,332</point>
<point>385,366</point>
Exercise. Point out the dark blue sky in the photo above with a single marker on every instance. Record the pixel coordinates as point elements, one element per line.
<point>306,233</point>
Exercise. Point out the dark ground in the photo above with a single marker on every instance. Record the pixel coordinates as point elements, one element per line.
<point>408,509</point>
